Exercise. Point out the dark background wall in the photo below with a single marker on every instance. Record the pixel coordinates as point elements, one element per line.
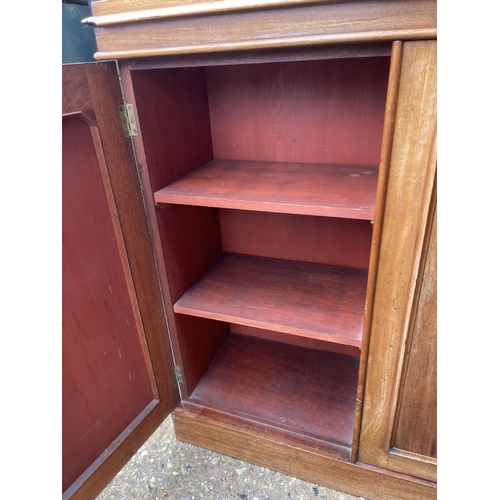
<point>78,40</point>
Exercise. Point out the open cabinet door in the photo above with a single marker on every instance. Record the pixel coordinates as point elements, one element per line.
<point>118,380</point>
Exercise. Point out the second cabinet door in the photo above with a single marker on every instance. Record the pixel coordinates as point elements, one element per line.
<point>401,372</point>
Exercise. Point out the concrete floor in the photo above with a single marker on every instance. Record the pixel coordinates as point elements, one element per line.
<point>173,470</point>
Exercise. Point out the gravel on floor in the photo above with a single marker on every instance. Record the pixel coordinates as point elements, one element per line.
<point>173,470</point>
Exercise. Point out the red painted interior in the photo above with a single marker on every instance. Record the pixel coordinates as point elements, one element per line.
<point>105,382</point>
<point>328,111</point>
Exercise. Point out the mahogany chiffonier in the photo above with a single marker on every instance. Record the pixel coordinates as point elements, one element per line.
<point>249,239</point>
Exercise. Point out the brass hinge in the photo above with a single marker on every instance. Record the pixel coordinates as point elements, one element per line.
<point>127,117</point>
<point>178,374</point>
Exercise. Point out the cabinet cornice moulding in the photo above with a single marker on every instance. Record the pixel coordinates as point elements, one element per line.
<point>108,13</point>
<point>250,24</point>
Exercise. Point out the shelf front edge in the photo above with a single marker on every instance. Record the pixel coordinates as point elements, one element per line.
<point>334,339</point>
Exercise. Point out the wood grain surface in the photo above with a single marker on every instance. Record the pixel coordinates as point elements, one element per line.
<point>187,117</point>
<point>297,188</point>
<point>313,53</point>
<point>385,157</point>
<point>329,111</point>
<point>319,345</point>
<point>99,318</point>
<point>414,449</point>
<point>172,110</point>
<point>310,300</point>
<point>126,11</point>
<point>409,193</point>
<point>273,450</point>
<point>417,422</point>
<point>94,89</point>
<point>174,139</point>
<point>310,391</point>
<point>300,25</point>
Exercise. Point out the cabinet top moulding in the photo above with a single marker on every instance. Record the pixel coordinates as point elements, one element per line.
<point>116,12</point>
<point>134,30</point>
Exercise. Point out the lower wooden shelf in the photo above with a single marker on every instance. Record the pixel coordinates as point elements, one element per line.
<point>304,391</point>
<point>308,300</point>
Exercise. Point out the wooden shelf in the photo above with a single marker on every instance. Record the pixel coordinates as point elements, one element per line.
<point>292,188</point>
<point>293,388</point>
<point>308,300</point>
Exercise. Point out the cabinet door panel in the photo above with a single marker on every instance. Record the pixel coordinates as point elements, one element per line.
<point>117,382</point>
<point>401,366</point>
<point>105,374</point>
<point>417,421</point>
<point>414,445</point>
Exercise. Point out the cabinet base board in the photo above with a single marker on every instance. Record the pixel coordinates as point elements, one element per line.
<point>316,467</point>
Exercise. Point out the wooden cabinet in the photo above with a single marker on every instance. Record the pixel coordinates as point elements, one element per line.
<point>287,174</point>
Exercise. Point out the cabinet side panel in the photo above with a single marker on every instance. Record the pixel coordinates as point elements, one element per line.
<point>105,378</point>
<point>329,111</point>
<point>174,139</point>
<point>191,241</point>
<point>175,128</point>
